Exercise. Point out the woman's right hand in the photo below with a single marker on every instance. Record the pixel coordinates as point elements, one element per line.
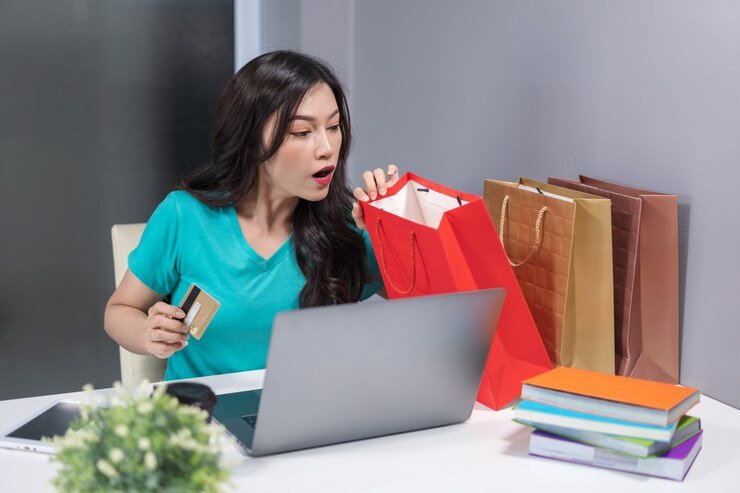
<point>164,331</point>
<point>376,182</point>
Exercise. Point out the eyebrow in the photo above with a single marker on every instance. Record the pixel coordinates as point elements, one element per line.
<point>312,119</point>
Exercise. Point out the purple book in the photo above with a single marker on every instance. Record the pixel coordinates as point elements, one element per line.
<point>673,464</point>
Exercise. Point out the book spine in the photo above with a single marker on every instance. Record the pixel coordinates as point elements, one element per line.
<point>607,409</point>
<point>536,418</point>
<point>591,456</point>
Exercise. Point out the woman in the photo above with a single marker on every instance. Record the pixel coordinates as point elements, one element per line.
<point>266,225</point>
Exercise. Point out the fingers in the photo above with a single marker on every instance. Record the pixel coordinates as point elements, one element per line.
<point>358,216</point>
<point>164,309</point>
<point>360,194</point>
<point>370,188</point>
<point>164,350</point>
<point>380,181</point>
<point>169,324</point>
<point>393,174</point>
<point>159,335</point>
<point>165,331</point>
<point>376,183</point>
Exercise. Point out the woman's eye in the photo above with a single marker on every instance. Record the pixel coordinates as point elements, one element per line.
<point>334,128</point>
<point>303,133</point>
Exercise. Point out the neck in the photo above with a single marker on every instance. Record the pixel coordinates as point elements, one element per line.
<point>267,207</point>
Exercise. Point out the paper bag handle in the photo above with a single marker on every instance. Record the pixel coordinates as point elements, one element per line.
<point>412,242</point>
<point>537,236</point>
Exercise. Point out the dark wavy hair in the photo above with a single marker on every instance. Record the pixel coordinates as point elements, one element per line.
<point>330,251</point>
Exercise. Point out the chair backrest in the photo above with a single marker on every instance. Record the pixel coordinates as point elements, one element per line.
<point>134,367</point>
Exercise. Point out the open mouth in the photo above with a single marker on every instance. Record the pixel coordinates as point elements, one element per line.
<point>324,172</point>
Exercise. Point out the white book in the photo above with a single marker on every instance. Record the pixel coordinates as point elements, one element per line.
<point>673,464</point>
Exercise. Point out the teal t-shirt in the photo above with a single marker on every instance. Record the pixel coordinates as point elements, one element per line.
<point>185,242</point>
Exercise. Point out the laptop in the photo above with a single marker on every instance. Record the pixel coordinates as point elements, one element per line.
<point>349,372</point>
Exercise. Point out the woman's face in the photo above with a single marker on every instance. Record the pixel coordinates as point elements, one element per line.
<point>304,164</point>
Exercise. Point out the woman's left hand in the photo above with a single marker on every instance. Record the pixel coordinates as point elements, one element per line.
<point>376,183</point>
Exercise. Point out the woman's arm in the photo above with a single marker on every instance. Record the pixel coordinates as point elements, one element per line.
<point>137,319</point>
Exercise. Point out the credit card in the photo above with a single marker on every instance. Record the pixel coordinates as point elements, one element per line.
<point>199,308</point>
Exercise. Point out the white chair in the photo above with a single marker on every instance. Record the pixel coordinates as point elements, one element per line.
<point>134,367</point>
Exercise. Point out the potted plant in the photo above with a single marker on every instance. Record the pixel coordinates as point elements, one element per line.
<point>140,442</point>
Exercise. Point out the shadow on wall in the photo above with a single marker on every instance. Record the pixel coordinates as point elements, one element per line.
<point>684,215</point>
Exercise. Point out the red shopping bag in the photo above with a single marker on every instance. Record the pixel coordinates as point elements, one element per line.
<point>430,239</point>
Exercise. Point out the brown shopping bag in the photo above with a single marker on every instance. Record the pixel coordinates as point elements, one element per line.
<point>645,246</point>
<point>559,243</point>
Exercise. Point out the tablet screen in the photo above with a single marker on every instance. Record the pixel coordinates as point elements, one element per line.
<point>53,421</point>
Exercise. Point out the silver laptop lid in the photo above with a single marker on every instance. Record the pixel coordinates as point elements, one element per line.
<point>342,373</point>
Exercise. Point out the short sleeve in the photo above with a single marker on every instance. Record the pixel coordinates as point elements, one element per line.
<point>154,261</point>
<point>376,281</point>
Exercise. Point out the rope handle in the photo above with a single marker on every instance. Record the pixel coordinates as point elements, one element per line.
<point>412,244</point>
<point>537,237</point>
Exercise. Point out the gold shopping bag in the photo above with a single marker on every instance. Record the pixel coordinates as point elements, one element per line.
<point>560,245</point>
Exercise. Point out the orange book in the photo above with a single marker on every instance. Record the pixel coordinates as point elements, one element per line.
<point>604,394</point>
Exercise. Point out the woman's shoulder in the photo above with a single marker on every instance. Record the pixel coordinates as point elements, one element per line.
<point>184,203</point>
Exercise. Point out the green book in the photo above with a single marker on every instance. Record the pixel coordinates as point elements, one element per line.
<point>688,426</point>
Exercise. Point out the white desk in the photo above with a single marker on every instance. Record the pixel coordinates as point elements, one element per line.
<point>486,453</point>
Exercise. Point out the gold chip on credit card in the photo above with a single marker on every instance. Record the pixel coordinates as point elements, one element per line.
<point>199,308</point>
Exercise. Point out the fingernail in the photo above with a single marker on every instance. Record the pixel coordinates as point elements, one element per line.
<point>382,191</point>
<point>373,195</point>
<point>365,198</point>
<point>180,313</point>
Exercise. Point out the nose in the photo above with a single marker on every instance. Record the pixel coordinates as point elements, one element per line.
<point>324,147</point>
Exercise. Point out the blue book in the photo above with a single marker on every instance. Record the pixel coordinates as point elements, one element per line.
<point>535,413</point>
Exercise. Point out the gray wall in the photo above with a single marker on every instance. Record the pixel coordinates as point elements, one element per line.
<point>281,25</point>
<point>102,105</point>
<point>642,92</point>
<point>645,92</point>
<point>323,28</point>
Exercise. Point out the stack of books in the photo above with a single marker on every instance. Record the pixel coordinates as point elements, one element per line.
<point>610,421</point>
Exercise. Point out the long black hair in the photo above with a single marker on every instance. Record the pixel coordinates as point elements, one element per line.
<point>330,252</point>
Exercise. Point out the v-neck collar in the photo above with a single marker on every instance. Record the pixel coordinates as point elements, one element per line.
<point>261,262</point>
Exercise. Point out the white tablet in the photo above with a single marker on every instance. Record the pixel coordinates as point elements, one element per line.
<point>50,421</point>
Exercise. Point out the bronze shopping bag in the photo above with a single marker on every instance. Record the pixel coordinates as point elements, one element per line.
<point>559,243</point>
<point>645,246</point>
